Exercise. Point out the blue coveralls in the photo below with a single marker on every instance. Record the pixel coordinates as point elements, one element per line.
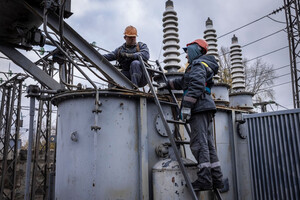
<point>131,67</point>
<point>197,97</point>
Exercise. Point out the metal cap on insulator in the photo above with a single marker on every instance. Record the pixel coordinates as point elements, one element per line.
<point>209,22</point>
<point>234,39</point>
<point>169,3</point>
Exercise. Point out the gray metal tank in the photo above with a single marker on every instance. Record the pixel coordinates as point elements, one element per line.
<point>169,183</point>
<point>116,161</point>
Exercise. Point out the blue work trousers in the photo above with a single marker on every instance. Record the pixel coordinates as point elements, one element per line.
<point>202,147</point>
<point>136,74</point>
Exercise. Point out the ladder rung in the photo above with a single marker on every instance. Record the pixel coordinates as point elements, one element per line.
<point>168,103</point>
<point>155,85</point>
<point>175,121</point>
<point>182,142</point>
<point>190,164</point>
<point>154,70</point>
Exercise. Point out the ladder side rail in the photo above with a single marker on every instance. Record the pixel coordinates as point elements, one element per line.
<point>166,125</point>
<point>216,191</point>
<point>173,96</point>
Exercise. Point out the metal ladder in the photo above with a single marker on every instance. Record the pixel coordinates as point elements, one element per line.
<point>167,127</point>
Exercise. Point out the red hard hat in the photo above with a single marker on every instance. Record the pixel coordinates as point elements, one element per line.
<point>202,43</point>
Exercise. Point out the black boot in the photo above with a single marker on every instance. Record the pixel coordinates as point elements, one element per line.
<point>200,186</point>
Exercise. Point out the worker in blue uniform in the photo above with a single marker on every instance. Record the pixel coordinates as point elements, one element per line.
<point>198,109</point>
<point>127,57</point>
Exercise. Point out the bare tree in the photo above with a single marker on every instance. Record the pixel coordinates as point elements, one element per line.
<point>259,75</point>
<point>224,67</point>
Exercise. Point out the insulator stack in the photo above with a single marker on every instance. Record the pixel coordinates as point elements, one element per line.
<point>171,41</point>
<point>211,38</point>
<point>237,68</point>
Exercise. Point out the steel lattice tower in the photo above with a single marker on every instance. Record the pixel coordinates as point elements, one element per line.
<point>292,9</point>
<point>10,112</point>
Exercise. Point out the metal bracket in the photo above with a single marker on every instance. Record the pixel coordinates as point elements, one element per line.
<point>74,136</point>
<point>97,111</point>
<point>95,128</point>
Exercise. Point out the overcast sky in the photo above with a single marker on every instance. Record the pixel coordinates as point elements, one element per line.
<point>104,21</point>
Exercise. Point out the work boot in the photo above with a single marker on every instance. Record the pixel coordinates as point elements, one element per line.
<point>200,186</point>
<point>218,185</point>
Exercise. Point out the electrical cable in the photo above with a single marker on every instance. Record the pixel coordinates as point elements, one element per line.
<point>266,54</point>
<point>281,106</point>
<point>274,12</point>
<point>85,79</point>
<point>271,70</point>
<point>4,58</point>
<point>271,78</point>
<point>264,89</point>
<point>276,20</point>
<point>262,38</point>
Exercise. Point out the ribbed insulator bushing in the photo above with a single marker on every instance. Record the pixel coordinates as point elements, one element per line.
<point>237,68</point>
<point>211,38</point>
<point>171,40</point>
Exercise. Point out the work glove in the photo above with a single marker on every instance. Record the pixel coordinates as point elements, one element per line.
<point>127,55</point>
<point>165,85</point>
<point>185,113</point>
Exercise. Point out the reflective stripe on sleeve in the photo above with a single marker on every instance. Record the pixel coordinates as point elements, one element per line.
<point>204,165</point>
<point>215,164</point>
<point>189,99</point>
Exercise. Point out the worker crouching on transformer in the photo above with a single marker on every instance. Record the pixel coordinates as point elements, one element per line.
<point>198,109</point>
<point>127,57</point>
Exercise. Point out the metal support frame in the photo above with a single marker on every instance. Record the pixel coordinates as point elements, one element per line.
<point>41,167</point>
<point>292,9</point>
<point>83,47</point>
<point>143,150</point>
<point>10,112</point>
<point>30,67</point>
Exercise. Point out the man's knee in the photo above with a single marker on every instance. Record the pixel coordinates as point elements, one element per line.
<point>135,64</point>
<point>135,67</point>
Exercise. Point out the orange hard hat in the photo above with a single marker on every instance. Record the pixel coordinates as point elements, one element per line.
<point>202,43</point>
<point>130,31</point>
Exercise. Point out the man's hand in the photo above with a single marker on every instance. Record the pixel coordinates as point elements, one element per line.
<point>185,113</point>
<point>127,55</point>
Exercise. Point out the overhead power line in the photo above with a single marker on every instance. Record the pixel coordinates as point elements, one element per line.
<point>252,82</point>
<point>264,89</point>
<point>274,12</point>
<point>266,54</point>
<point>262,38</point>
<point>4,58</point>
<point>273,70</point>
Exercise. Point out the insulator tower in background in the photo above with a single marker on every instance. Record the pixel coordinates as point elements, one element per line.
<point>237,68</point>
<point>238,98</point>
<point>211,38</point>
<point>292,9</point>
<point>171,40</point>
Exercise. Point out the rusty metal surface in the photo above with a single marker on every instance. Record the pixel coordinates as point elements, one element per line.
<point>220,94</point>
<point>241,100</point>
